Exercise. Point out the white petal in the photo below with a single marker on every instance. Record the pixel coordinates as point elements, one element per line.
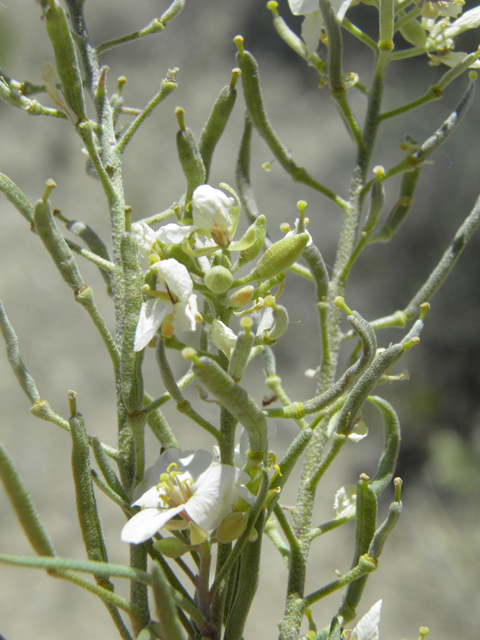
<point>469,20</point>
<point>311,30</point>
<point>344,6</point>
<point>345,501</point>
<point>145,238</point>
<point>185,312</point>
<point>211,208</point>
<point>176,277</point>
<point>173,233</point>
<point>266,323</point>
<point>301,7</point>
<point>152,314</point>
<point>367,627</point>
<point>214,493</point>
<point>146,523</point>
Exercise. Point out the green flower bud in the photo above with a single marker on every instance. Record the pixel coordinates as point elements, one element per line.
<point>281,255</point>
<point>218,279</point>
<point>232,527</point>
<point>414,33</point>
<point>171,547</point>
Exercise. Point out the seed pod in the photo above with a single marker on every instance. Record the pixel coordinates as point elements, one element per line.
<point>388,461</point>
<point>24,507</point>
<point>88,516</point>
<point>401,208</point>
<point>281,255</point>
<point>252,252</point>
<point>190,159</point>
<point>366,523</point>
<point>56,245</point>
<point>66,58</point>
<point>215,125</point>
<point>256,108</point>
<point>335,47</point>
<point>93,242</point>
<point>235,399</point>
<point>241,354</point>
<point>16,197</point>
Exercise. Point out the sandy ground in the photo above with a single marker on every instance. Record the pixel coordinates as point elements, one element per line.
<point>428,574</point>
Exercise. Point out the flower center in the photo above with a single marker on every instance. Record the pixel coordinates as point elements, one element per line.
<point>174,491</point>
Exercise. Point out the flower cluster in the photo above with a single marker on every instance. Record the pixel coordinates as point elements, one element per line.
<point>436,32</point>
<point>184,491</point>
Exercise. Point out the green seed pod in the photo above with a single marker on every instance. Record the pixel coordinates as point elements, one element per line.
<point>414,33</point>
<point>241,354</point>
<point>93,242</point>
<point>366,523</point>
<point>451,123</point>
<point>88,516</point>
<point>130,362</point>
<point>235,399</point>
<point>66,58</point>
<point>13,354</point>
<point>252,252</point>
<point>24,507</point>
<point>56,245</point>
<point>173,11</point>
<point>215,125</point>
<point>190,159</point>
<point>385,529</point>
<point>280,256</point>
<point>16,197</point>
<point>256,108</point>
<point>388,461</point>
<point>335,46</point>
<point>218,279</point>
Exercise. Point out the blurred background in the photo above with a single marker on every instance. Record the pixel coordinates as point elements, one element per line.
<point>429,570</point>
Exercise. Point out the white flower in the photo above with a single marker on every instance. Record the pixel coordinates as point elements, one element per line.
<point>211,210</point>
<point>184,491</point>
<point>367,627</point>
<point>443,33</point>
<point>313,23</point>
<point>176,299</point>
<point>145,238</point>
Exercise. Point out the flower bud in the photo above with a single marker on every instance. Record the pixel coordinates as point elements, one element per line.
<point>232,527</point>
<point>242,296</point>
<point>218,279</point>
<point>281,255</point>
<point>171,547</point>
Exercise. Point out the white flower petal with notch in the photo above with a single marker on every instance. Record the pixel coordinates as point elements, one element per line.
<point>152,314</point>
